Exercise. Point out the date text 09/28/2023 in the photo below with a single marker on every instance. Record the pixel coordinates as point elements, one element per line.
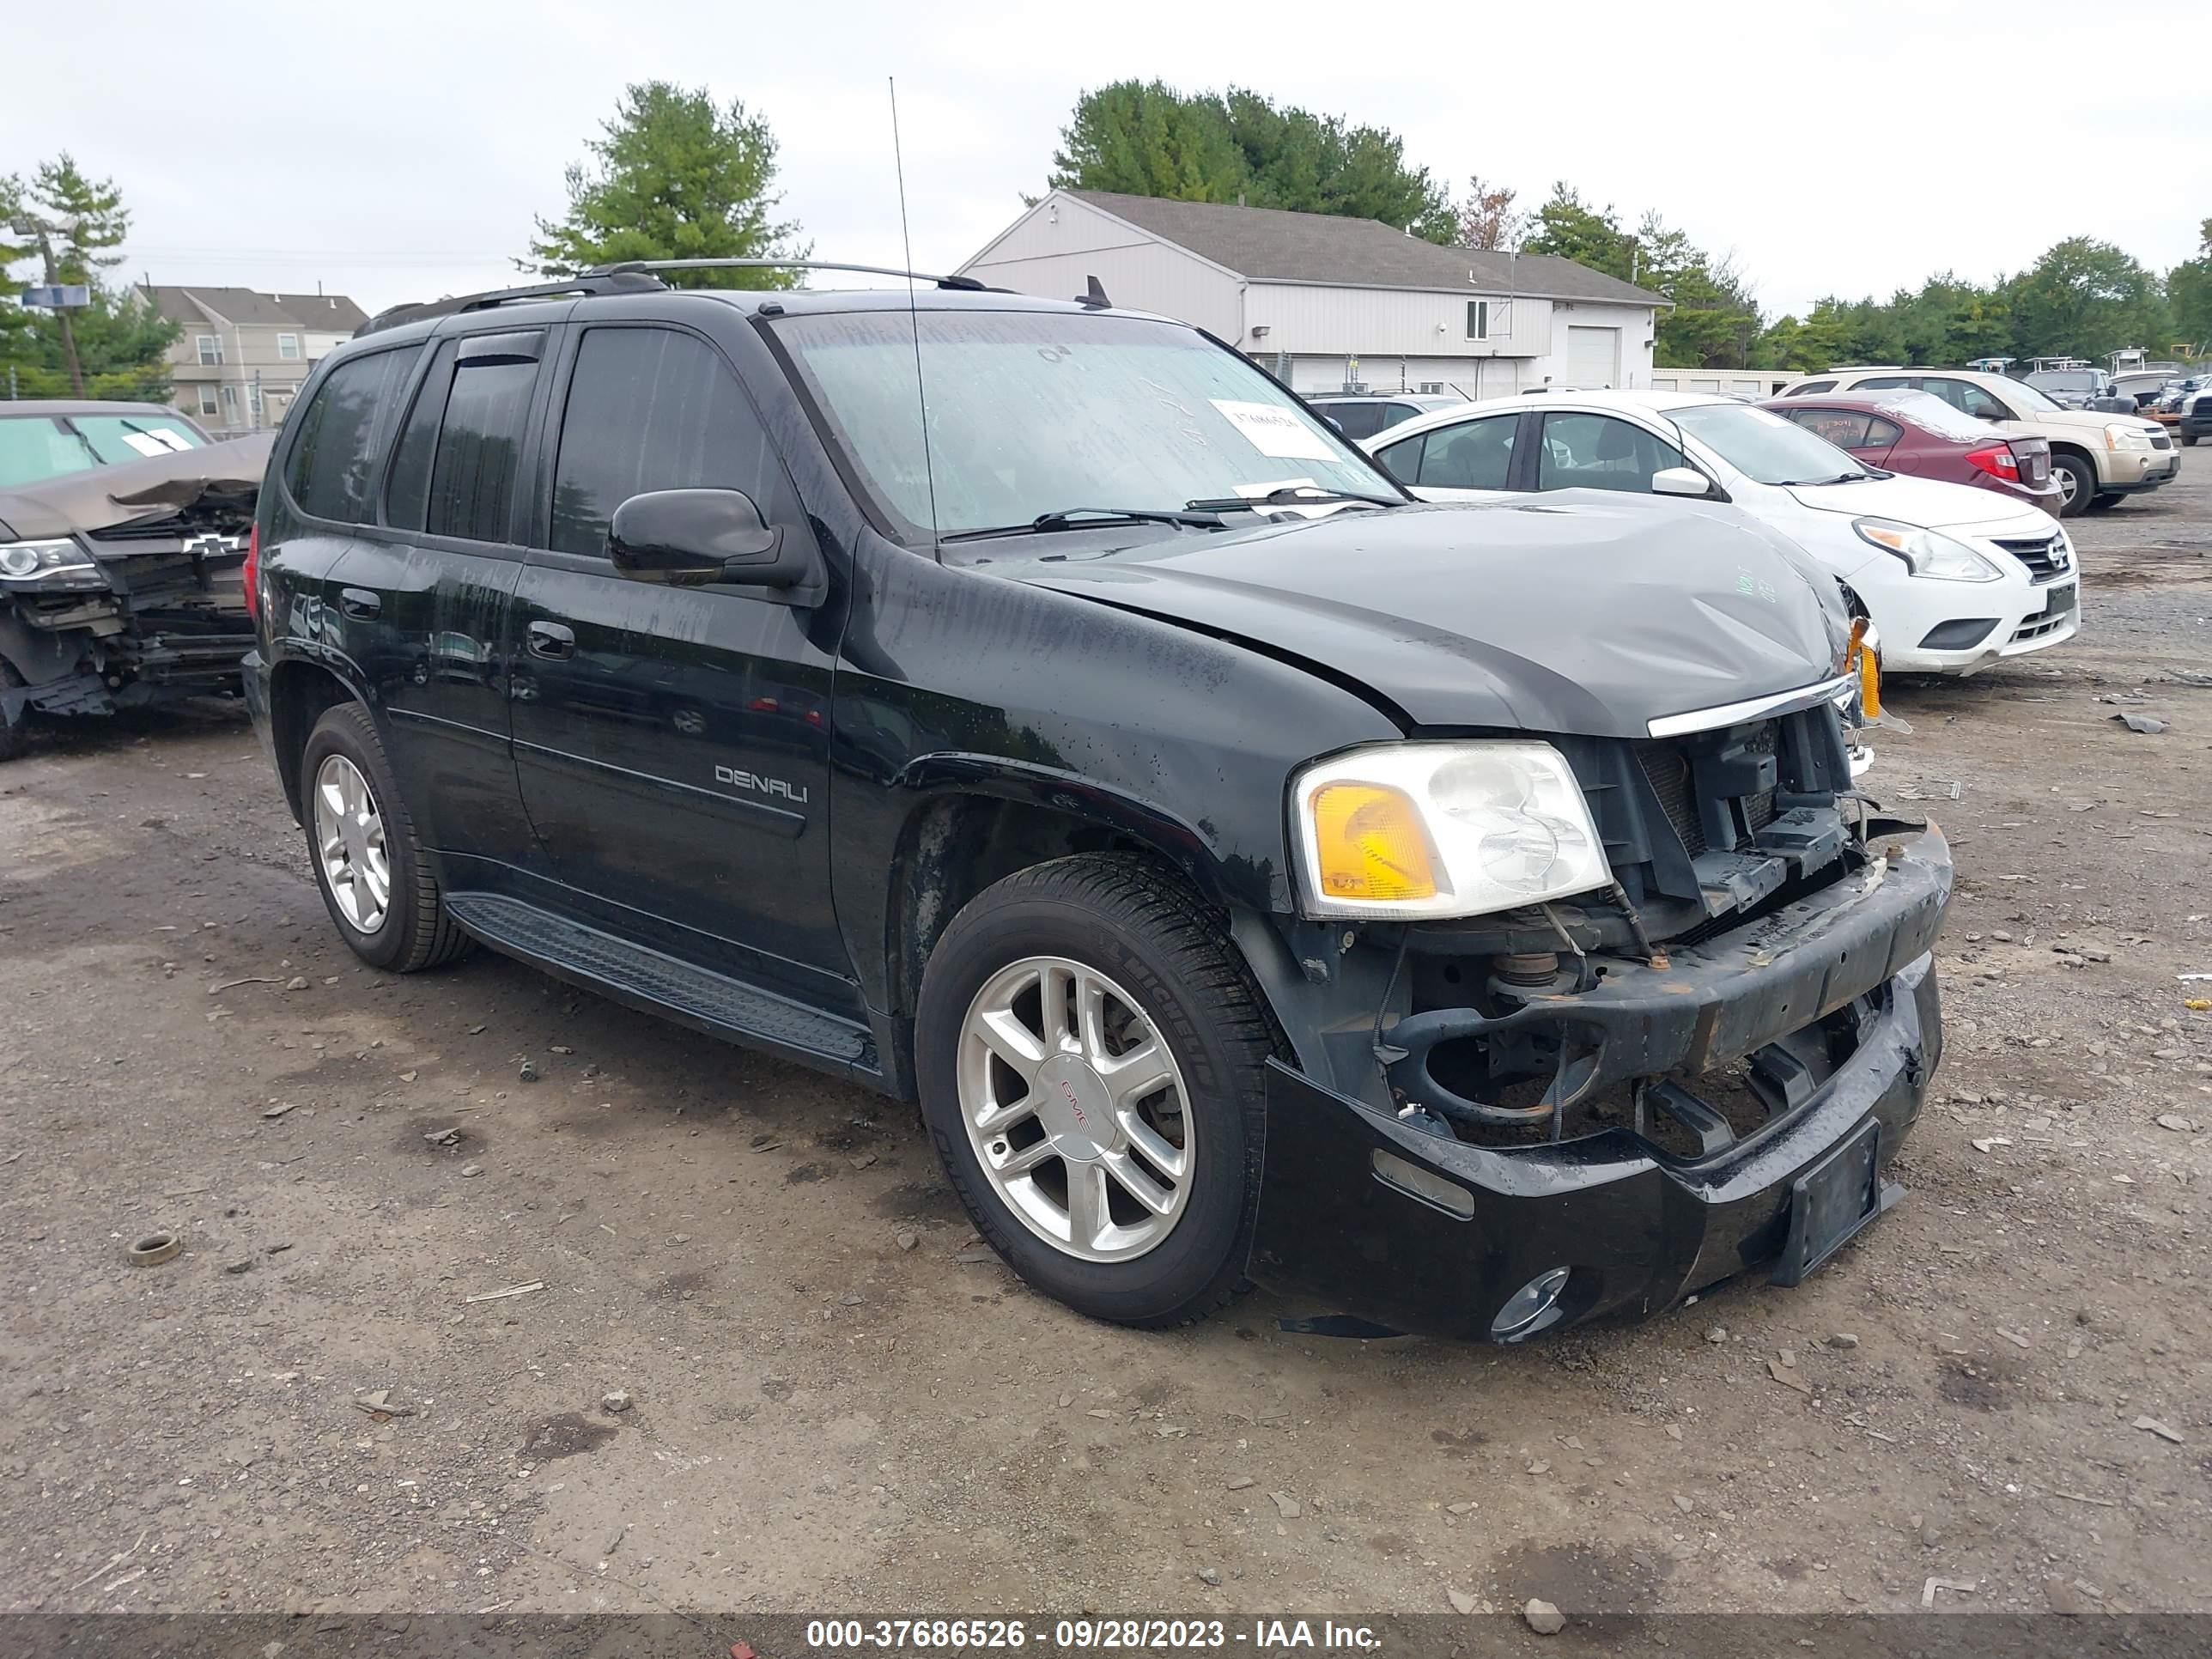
<point>1082,1635</point>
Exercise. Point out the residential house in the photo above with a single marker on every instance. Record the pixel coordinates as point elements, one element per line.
<point>242,355</point>
<point>1334,304</point>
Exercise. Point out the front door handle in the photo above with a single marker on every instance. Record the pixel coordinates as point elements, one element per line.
<point>359,603</point>
<point>546,639</point>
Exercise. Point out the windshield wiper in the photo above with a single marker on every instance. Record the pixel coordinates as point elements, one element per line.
<point>1814,483</point>
<point>1082,517</point>
<point>1287,496</point>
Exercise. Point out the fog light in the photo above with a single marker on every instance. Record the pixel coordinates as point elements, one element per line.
<point>1410,1177</point>
<point>1530,1308</point>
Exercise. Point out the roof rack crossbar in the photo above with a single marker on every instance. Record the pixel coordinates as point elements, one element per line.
<point>614,280</point>
<point>626,266</point>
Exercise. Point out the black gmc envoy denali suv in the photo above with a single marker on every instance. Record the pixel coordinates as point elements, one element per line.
<point>1458,916</point>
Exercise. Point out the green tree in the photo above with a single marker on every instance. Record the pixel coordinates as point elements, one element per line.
<point>2189,292</point>
<point>2085,298</point>
<point>1570,228</point>
<point>674,176</point>
<point>62,226</point>
<point>1145,138</point>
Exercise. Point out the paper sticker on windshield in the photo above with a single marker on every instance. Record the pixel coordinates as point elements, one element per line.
<point>1275,430</point>
<point>146,444</point>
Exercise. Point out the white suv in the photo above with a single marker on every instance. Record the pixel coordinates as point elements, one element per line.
<point>1954,578</point>
<point>2096,458</point>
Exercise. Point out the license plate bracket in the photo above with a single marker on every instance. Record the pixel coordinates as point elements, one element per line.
<point>1829,1202</point>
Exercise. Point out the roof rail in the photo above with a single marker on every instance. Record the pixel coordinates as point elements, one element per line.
<point>628,266</point>
<point>619,279</point>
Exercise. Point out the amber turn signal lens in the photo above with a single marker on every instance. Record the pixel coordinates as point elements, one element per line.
<point>1370,843</point>
<point>1865,661</point>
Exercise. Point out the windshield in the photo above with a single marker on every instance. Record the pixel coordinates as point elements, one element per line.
<point>1033,413</point>
<point>2028,396</point>
<point>36,447</point>
<point>1762,446</point>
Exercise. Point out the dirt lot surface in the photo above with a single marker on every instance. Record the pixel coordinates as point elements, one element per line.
<point>833,1400</point>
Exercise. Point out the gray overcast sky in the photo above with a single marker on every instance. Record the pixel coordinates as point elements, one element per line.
<point>398,150</point>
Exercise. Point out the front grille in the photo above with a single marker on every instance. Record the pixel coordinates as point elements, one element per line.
<point>2036,627</point>
<point>2160,441</point>
<point>2045,557</point>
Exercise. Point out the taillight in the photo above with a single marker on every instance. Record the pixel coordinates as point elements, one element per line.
<point>252,574</point>
<point>1998,460</point>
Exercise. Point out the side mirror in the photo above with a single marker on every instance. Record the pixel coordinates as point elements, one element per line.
<point>1681,481</point>
<point>690,537</point>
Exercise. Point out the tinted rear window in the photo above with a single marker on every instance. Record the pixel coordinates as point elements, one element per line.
<point>467,425</point>
<point>332,467</point>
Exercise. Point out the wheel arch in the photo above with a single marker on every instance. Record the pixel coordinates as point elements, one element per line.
<point>299,691</point>
<point>982,819</point>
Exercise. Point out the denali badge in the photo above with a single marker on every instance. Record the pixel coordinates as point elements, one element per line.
<point>796,794</point>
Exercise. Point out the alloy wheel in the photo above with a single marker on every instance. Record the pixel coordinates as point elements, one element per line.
<point>349,844</point>
<point>1075,1109</point>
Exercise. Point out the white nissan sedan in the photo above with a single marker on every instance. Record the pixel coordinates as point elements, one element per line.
<point>1954,578</point>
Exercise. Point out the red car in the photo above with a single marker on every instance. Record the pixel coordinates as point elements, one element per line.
<point>1918,432</point>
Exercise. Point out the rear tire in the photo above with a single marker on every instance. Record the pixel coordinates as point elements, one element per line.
<point>2077,483</point>
<point>362,846</point>
<point>2189,440</point>
<point>1141,972</point>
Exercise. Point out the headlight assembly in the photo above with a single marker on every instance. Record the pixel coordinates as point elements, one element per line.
<point>1926,552</point>
<point>48,564</point>
<point>1435,829</point>
<point>2118,436</point>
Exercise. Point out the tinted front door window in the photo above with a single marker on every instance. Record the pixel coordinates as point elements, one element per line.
<point>1965,395</point>
<point>673,749</point>
<point>1596,452</point>
<point>648,409</point>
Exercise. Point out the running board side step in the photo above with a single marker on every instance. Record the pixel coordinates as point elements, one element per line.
<point>660,984</point>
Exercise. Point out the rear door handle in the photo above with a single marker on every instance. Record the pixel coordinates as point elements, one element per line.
<point>359,603</point>
<point>546,639</point>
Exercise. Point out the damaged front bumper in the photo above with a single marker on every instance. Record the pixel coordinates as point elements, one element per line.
<point>1383,1217</point>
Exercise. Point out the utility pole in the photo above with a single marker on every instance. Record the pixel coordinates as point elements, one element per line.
<point>57,297</point>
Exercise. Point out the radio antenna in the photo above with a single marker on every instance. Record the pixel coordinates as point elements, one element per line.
<point>913,316</point>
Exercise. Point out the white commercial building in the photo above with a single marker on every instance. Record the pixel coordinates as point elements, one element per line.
<point>1328,302</point>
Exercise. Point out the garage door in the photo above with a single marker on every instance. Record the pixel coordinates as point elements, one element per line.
<point>1593,357</point>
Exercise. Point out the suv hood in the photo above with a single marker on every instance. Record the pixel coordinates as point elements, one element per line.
<point>2082,421</point>
<point>216,477</point>
<point>1589,613</point>
<point>1930,503</point>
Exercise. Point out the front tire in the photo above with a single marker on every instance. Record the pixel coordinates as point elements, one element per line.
<point>15,734</point>
<point>2106,502</point>
<point>1092,1055</point>
<point>361,845</point>
<point>2077,483</point>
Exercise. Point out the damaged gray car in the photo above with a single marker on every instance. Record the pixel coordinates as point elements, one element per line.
<point>120,582</point>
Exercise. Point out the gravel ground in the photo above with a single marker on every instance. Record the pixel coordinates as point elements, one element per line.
<point>833,1402</point>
